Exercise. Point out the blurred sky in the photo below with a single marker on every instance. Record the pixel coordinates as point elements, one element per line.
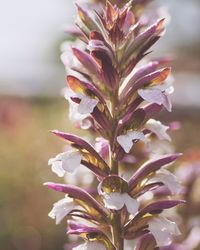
<point>32,30</point>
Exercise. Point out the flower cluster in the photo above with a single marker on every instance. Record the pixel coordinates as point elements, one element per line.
<point>116,97</point>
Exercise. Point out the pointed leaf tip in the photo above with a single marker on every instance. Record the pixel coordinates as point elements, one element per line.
<point>160,24</point>
<point>54,186</point>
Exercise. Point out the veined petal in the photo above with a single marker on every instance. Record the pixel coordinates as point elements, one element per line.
<point>57,168</point>
<point>131,204</point>
<point>82,121</point>
<point>168,179</point>
<point>87,105</point>
<point>67,161</point>
<point>74,115</point>
<point>126,141</point>
<point>61,209</point>
<point>90,246</point>
<point>151,95</point>
<point>114,200</point>
<point>158,128</point>
<point>71,160</point>
<point>155,95</point>
<point>56,165</point>
<point>163,230</point>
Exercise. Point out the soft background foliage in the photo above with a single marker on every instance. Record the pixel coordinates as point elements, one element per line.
<point>31,68</point>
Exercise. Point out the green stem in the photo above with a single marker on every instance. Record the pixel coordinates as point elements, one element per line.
<point>116,216</point>
<point>116,231</point>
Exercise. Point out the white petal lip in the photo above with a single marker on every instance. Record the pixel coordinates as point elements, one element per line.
<point>61,209</point>
<point>155,95</point>
<point>168,179</point>
<point>74,116</point>
<point>163,230</point>
<point>116,201</point>
<point>56,165</point>
<point>126,141</point>
<point>91,246</point>
<point>87,105</point>
<point>131,204</point>
<point>159,129</point>
<point>71,160</point>
<point>65,162</point>
<point>57,168</point>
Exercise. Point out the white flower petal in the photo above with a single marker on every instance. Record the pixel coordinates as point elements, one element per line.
<point>57,165</point>
<point>51,161</point>
<point>170,90</point>
<point>67,58</point>
<point>61,209</point>
<point>168,179</point>
<point>81,120</point>
<point>74,115</point>
<point>131,204</point>
<point>87,105</point>
<point>154,95</point>
<point>167,103</point>
<point>151,95</point>
<point>126,141</point>
<point>57,168</point>
<point>161,235</point>
<point>163,230</point>
<point>68,161</point>
<point>71,160</point>
<point>114,200</point>
<point>91,246</point>
<point>158,128</point>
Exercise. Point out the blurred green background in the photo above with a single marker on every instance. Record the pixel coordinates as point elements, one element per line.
<point>31,78</point>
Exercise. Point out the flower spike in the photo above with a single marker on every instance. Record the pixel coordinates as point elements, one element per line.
<point>121,184</point>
